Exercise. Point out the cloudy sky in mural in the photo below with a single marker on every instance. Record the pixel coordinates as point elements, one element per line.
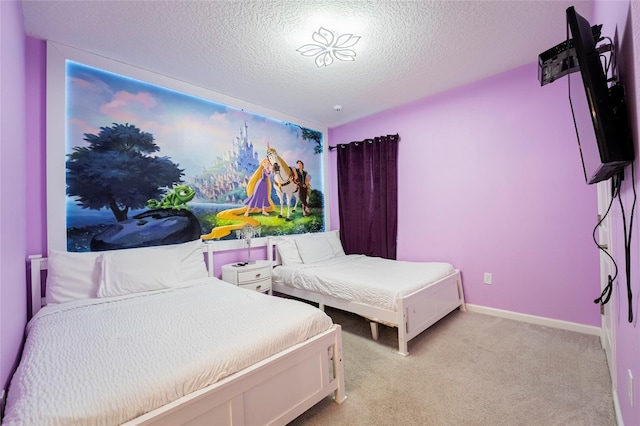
<point>192,131</point>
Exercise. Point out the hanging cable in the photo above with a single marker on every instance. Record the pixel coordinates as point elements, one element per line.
<point>627,241</point>
<point>606,292</point>
<point>612,62</point>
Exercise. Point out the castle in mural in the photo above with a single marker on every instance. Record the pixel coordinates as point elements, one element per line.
<point>225,181</point>
<point>242,154</point>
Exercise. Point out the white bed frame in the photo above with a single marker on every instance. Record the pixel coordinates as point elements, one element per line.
<point>416,311</point>
<point>271,392</point>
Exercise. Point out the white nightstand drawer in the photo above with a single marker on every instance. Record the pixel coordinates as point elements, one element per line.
<point>253,275</point>
<point>264,285</point>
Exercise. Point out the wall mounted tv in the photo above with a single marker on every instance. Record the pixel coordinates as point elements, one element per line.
<point>599,110</point>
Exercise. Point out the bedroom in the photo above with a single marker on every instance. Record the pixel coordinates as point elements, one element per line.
<point>509,194</point>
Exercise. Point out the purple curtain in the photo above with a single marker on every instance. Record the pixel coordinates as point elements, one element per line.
<point>368,196</point>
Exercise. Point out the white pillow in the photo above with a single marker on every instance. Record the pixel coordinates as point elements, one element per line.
<point>192,264</point>
<point>314,249</point>
<point>288,252</point>
<point>150,268</point>
<point>336,244</point>
<point>71,276</point>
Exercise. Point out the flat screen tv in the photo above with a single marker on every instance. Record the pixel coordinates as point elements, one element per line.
<point>599,111</point>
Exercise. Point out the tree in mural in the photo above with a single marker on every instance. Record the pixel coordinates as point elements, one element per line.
<point>310,135</point>
<point>117,171</point>
<point>313,136</point>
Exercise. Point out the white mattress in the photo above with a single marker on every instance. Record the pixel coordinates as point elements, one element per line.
<point>373,281</point>
<point>106,361</point>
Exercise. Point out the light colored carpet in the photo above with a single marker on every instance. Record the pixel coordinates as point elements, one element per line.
<point>469,369</point>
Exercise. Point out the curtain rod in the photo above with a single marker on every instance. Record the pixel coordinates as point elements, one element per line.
<point>332,147</point>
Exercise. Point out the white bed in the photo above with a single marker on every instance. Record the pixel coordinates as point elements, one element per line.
<point>192,351</point>
<point>411,296</point>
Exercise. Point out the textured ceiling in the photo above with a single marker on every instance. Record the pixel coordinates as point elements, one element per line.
<point>246,49</point>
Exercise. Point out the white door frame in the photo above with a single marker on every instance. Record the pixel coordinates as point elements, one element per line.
<point>607,334</point>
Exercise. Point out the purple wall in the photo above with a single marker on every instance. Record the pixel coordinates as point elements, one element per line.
<point>13,208</point>
<point>616,18</point>
<point>36,66</point>
<point>490,180</point>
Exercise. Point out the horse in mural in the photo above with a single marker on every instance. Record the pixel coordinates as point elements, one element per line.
<point>283,181</point>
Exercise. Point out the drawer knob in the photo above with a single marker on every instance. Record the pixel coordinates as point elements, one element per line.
<point>259,287</point>
<point>258,275</point>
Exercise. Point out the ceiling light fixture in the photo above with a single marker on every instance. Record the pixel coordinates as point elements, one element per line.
<point>329,47</point>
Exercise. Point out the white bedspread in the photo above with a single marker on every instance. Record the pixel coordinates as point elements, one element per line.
<point>370,280</point>
<point>110,360</point>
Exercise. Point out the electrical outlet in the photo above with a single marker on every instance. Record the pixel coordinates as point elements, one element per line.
<point>488,278</point>
<point>630,387</point>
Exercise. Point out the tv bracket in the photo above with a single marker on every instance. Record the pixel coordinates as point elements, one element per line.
<point>561,59</point>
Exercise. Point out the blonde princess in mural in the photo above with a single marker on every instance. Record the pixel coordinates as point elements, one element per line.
<point>258,201</point>
<point>259,190</point>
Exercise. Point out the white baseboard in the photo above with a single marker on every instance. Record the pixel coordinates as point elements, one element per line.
<point>616,406</point>
<point>532,319</point>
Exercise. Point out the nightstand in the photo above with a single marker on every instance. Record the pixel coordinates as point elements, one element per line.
<point>253,276</point>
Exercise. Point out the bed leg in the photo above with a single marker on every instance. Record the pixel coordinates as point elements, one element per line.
<point>463,306</point>
<point>338,367</point>
<point>402,342</point>
<point>321,306</point>
<point>374,329</point>
<point>402,348</point>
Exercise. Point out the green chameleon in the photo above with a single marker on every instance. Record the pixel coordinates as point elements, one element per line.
<point>177,198</point>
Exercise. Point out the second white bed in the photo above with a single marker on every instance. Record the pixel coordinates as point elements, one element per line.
<point>411,296</point>
<point>370,280</point>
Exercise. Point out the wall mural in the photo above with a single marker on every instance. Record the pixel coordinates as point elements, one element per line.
<point>147,165</point>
